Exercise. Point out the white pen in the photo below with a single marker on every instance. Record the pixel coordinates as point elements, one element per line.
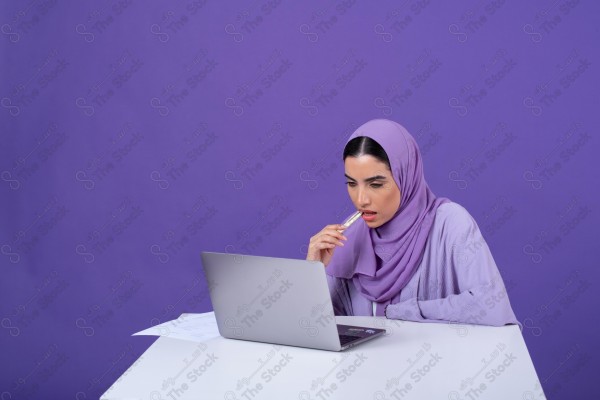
<point>351,219</point>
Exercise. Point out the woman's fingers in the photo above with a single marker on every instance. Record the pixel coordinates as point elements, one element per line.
<point>326,240</point>
<point>335,226</point>
<point>336,235</point>
<point>324,243</point>
<point>322,246</point>
<point>329,237</point>
<point>339,235</point>
<point>333,232</point>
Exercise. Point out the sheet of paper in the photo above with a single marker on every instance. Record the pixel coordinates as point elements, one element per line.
<point>193,327</point>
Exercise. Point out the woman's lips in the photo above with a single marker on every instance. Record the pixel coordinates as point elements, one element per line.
<point>369,215</point>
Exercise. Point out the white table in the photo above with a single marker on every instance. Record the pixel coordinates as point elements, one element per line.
<point>412,361</point>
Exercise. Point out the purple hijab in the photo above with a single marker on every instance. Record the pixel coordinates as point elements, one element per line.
<point>381,263</point>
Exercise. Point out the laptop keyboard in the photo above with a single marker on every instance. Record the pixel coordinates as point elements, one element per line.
<point>345,339</point>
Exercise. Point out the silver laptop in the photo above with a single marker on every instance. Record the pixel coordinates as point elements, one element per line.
<point>277,300</point>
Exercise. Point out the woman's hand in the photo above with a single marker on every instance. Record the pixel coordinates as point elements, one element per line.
<point>322,245</point>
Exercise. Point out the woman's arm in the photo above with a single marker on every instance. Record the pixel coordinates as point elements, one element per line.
<point>474,306</point>
<point>469,286</point>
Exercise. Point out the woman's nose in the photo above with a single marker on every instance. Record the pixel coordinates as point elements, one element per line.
<point>363,199</point>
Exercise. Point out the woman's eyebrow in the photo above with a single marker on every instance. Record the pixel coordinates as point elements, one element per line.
<point>373,178</point>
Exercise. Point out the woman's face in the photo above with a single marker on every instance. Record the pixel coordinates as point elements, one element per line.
<point>372,187</point>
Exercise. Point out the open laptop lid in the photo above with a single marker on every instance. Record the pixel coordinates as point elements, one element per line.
<point>272,300</point>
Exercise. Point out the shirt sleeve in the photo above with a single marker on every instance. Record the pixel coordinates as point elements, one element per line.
<point>460,283</point>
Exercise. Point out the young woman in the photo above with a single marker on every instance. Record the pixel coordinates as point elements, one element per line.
<point>412,255</point>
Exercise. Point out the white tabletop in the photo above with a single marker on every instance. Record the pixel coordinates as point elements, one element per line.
<point>412,361</point>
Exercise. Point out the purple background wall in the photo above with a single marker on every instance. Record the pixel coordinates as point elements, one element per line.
<point>136,134</point>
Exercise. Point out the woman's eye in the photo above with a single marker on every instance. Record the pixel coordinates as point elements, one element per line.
<point>373,185</point>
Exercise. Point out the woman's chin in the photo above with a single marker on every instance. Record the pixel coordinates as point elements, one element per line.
<point>375,224</point>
